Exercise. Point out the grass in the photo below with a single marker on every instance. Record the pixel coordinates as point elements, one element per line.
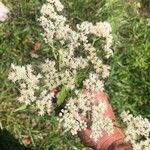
<point>128,86</point>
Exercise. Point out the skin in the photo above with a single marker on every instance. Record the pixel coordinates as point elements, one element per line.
<point>116,136</point>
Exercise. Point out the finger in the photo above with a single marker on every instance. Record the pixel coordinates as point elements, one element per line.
<point>100,96</point>
<point>85,137</point>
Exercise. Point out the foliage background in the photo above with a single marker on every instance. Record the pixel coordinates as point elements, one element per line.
<point>128,85</point>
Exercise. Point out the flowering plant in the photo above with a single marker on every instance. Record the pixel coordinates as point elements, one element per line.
<point>79,61</point>
<point>83,49</point>
<point>137,131</point>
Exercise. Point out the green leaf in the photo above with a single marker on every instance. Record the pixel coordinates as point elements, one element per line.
<point>62,95</point>
<point>21,108</point>
<point>81,76</point>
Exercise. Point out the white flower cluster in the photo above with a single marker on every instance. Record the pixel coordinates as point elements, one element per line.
<point>79,110</point>
<point>137,131</point>
<point>57,29</point>
<point>101,29</point>
<point>44,102</point>
<point>94,83</point>
<point>77,51</point>
<point>29,85</point>
<point>100,122</point>
<point>67,59</point>
<point>67,79</point>
<point>27,80</point>
<point>53,78</point>
<point>73,50</point>
<point>71,115</point>
<point>98,65</point>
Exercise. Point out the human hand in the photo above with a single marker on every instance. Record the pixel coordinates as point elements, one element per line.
<point>106,140</point>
